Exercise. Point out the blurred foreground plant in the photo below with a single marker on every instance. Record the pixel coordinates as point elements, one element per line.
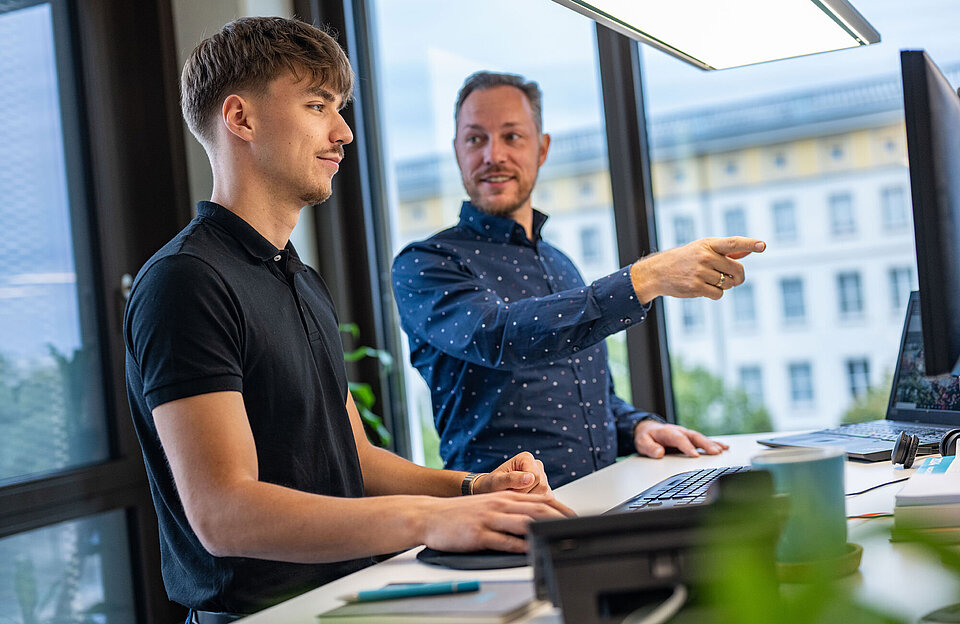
<point>362,393</point>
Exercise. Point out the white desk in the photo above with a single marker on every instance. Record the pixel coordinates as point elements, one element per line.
<point>896,577</point>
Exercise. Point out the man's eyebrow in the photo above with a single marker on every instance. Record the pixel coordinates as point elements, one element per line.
<point>320,92</point>
<point>509,124</point>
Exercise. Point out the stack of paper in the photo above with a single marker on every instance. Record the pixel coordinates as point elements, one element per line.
<point>928,506</point>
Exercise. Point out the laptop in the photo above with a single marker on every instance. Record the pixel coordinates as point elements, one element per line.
<point>925,406</point>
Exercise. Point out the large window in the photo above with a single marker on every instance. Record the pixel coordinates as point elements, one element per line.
<point>813,149</point>
<point>75,571</point>
<point>423,57</point>
<point>77,532</point>
<point>50,387</point>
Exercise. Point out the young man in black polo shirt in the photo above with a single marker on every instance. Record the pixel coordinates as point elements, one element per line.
<point>263,480</point>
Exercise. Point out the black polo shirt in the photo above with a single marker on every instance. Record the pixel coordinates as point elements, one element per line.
<point>220,308</point>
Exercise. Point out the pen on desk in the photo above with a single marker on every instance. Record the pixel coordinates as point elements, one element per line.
<point>408,591</point>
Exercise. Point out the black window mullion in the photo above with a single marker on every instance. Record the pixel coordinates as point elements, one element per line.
<point>631,185</point>
<point>352,230</point>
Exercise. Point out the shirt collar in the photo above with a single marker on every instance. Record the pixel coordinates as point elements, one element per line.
<point>499,228</point>
<point>249,238</point>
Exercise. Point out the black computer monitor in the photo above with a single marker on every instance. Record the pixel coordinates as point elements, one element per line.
<point>932,116</point>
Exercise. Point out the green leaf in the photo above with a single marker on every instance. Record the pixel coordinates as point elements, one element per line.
<point>362,394</point>
<point>376,424</point>
<point>350,328</point>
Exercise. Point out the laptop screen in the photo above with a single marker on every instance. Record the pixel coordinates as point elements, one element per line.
<point>915,397</point>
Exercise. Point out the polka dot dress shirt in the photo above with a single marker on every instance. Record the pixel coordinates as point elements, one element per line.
<point>509,339</point>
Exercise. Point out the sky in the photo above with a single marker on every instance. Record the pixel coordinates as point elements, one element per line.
<point>427,48</point>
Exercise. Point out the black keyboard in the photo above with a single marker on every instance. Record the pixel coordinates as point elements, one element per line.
<point>890,430</point>
<point>686,488</point>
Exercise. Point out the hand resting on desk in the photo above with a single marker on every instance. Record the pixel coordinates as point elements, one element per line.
<point>650,437</point>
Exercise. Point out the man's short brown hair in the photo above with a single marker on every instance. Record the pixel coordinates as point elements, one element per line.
<point>483,80</point>
<point>248,54</point>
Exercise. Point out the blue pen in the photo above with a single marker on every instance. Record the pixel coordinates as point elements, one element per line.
<point>417,589</point>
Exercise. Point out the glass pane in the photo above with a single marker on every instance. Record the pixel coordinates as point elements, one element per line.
<point>813,150</point>
<point>77,572</point>
<point>49,361</point>
<point>425,51</point>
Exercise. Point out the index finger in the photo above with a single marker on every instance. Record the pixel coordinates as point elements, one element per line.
<point>740,245</point>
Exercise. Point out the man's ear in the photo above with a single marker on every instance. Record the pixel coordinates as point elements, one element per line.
<point>544,148</point>
<point>235,116</point>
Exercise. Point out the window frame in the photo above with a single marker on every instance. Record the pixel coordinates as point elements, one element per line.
<point>96,51</point>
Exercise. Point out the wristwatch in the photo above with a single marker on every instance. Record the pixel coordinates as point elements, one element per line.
<point>466,486</point>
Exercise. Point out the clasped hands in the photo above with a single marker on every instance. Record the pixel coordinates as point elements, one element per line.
<point>506,500</point>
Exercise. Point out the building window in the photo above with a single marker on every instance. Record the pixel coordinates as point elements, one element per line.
<point>850,294</point>
<point>76,571</point>
<point>586,188</point>
<point>744,305</point>
<point>858,376</point>
<point>791,292</point>
<point>692,315</point>
<point>801,384</point>
<point>842,220</point>
<point>418,212</point>
<point>682,229</point>
<point>731,168</point>
<point>590,249</point>
<point>735,222</point>
<point>751,381</point>
<point>901,283</point>
<point>784,221</point>
<point>894,208</point>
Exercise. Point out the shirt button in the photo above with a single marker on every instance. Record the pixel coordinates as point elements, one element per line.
<point>575,349</point>
<point>276,258</point>
<point>626,321</point>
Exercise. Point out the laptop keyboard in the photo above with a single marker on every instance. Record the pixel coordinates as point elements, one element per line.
<point>889,431</point>
<point>686,488</point>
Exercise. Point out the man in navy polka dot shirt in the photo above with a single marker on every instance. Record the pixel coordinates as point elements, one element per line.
<point>503,328</point>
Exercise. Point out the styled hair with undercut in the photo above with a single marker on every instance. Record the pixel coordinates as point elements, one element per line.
<point>249,53</point>
<point>483,80</point>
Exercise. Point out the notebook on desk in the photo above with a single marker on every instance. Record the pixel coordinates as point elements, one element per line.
<point>927,407</point>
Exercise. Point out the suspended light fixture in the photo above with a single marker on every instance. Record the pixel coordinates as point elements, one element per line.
<point>720,34</point>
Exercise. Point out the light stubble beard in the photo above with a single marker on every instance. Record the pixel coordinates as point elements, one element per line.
<point>316,196</point>
<point>506,211</point>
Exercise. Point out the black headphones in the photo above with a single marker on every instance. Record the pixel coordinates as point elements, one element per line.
<point>905,448</point>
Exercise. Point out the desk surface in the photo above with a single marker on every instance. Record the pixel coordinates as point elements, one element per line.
<point>895,577</point>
